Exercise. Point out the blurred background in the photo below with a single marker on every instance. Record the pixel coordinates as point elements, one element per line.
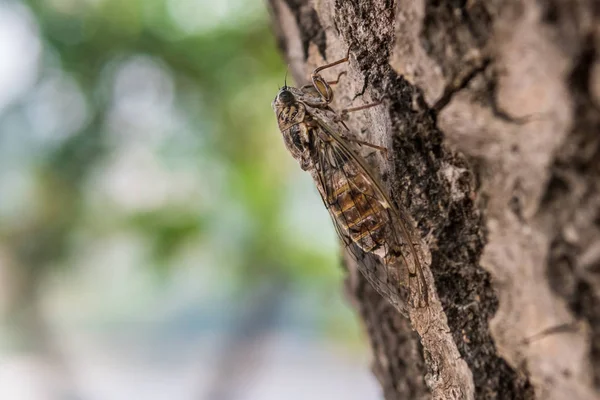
<point>156,239</point>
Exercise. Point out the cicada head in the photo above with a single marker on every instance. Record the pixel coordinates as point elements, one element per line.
<point>288,109</point>
<point>284,97</point>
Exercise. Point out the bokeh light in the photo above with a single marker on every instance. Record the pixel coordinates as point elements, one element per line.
<point>156,240</point>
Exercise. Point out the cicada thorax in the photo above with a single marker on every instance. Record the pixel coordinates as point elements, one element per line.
<point>294,123</point>
<point>290,115</point>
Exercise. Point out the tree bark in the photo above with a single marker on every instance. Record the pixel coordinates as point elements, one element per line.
<point>491,114</point>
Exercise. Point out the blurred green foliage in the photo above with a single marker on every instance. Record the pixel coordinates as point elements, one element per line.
<point>142,138</point>
<point>151,119</point>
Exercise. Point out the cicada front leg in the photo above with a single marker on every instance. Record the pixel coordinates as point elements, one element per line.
<point>337,80</point>
<point>321,86</point>
<point>325,93</point>
<point>310,86</point>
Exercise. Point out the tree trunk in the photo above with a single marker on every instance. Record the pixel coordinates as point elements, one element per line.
<point>491,114</point>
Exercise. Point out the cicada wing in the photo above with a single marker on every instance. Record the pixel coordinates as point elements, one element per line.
<point>400,263</point>
<point>376,273</point>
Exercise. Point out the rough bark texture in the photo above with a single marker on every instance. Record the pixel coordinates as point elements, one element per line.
<point>491,114</point>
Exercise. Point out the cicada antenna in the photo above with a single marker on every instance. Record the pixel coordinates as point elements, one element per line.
<point>285,78</point>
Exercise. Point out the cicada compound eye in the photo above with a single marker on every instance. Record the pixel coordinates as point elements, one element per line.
<point>286,97</point>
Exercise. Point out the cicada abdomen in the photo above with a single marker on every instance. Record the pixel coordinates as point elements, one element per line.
<point>352,202</point>
<point>363,218</point>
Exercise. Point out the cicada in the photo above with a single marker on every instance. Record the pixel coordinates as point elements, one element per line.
<point>365,218</point>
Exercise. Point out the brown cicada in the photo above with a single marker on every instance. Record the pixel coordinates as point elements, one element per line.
<point>366,220</point>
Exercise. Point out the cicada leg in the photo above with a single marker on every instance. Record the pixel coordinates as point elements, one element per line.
<point>321,85</point>
<point>383,150</point>
<point>344,113</point>
<point>332,64</point>
<point>337,79</point>
<point>330,83</point>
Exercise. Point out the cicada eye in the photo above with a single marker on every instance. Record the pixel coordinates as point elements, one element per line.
<point>286,97</point>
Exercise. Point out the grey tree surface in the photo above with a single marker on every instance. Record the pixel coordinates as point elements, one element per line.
<point>491,115</point>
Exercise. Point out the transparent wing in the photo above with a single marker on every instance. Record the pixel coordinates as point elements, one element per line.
<point>397,262</point>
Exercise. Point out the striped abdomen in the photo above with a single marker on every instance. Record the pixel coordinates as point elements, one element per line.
<point>353,203</point>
